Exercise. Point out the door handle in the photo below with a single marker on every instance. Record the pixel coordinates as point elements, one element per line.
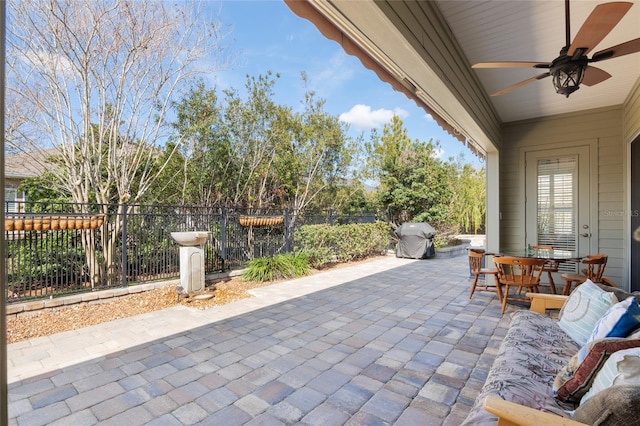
<point>585,234</point>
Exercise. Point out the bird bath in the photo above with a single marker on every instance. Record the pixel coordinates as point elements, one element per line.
<point>190,239</point>
<point>191,259</point>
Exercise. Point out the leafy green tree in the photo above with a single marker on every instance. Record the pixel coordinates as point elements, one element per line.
<point>245,149</point>
<point>197,174</point>
<point>256,128</point>
<point>38,189</point>
<point>414,183</point>
<point>468,203</point>
<point>169,187</point>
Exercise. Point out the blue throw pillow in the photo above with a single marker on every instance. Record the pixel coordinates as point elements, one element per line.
<point>619,321</point>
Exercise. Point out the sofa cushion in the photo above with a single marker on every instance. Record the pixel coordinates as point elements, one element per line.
<point>619,321</point>
<point>576,377</point>
<point>615,406</point>
<point>532,352</point>
<point>585,306</point>
<point>622,368</point>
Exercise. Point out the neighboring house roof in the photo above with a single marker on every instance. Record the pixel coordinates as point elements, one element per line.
<point>27,164</point>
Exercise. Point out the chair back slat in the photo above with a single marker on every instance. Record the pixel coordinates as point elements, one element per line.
<point>595,266</point>
<point>475,259</point>
<point>519,270</point>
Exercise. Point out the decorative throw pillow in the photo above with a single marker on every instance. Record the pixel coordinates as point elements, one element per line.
<point>615,406</point>
<point>575,378</point>
<point>622,368</point>
<point>619,321</point>
<point>585,306</point>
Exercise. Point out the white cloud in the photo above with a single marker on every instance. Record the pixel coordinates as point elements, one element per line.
<point>329,77</point>
<point>332,69</point>
<point>51,61</point>
<point>438,153</point>
<point>362,117</point>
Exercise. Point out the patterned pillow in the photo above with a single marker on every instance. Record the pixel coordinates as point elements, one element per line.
<point>622,368</point>
<point>585,306</point>
<point>575,378</point>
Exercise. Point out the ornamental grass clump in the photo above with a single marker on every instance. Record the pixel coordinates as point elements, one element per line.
<point>280,266</point>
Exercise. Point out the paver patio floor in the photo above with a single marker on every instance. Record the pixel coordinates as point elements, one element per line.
<point>394,341</point>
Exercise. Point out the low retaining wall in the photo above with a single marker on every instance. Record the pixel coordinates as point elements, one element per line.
<point>454,251</point>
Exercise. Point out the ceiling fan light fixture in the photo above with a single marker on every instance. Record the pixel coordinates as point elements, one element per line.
<point>568,74</point>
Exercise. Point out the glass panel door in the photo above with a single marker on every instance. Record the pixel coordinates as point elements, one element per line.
<point>557,196</point>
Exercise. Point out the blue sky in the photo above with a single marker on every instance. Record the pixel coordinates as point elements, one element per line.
<point>266,35</point>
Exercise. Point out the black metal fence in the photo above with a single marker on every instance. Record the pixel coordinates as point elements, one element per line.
<point>55,249</point>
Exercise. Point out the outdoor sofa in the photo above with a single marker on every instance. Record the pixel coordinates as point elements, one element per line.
<point>582,368</point>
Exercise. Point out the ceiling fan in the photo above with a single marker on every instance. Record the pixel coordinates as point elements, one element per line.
<point>572,67</point>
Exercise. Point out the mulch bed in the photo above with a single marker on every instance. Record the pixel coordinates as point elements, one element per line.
<point>51,321</point>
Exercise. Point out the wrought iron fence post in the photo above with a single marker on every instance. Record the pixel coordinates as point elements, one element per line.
<point>124,244</point>
<point>287,232</point>
<point>223,236</point>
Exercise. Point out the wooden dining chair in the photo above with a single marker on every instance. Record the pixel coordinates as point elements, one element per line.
<point>595,269</point>
<point>475,263</point>
<point>518,272</point>
<point>550,266</point>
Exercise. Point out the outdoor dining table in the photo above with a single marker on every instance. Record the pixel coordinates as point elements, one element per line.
<point>546,254</point>
<point>555,254</point>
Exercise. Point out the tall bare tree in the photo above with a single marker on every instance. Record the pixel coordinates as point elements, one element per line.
<point>98,79</point>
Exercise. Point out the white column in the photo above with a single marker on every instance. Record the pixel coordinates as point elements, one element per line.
<point>492,220</point>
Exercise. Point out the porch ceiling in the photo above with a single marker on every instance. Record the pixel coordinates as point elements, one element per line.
<point>491,31</point>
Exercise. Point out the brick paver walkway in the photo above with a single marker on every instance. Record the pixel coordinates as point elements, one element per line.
<point>394,341</point>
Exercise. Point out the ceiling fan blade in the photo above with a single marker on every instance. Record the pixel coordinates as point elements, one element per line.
<point>520,84</point>
<point>601,21</point>
<point>512,64</point>
<point>631,46</point>
<point>593,75</point>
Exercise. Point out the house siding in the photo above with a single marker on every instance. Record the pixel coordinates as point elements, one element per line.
<point>631,114</point>
<point>602,130</point>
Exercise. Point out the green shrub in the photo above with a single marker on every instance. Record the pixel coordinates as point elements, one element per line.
<point>280,266</point>
<point>446,234</point>
<point>58,262</point>
<point>341,243</point>
<point>319,256</point>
